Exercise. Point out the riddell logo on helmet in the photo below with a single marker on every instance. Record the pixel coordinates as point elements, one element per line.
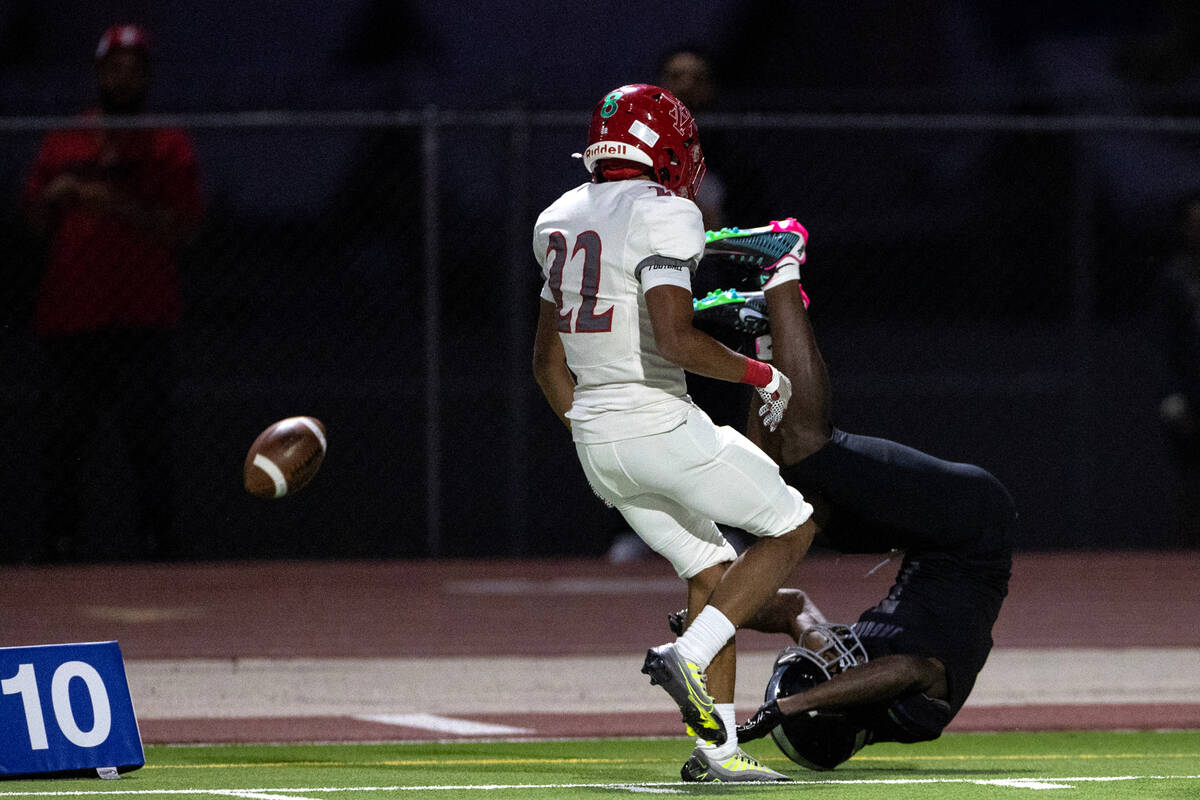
<point>606,150</point>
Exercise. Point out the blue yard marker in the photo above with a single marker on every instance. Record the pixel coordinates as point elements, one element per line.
<point>66,708</point>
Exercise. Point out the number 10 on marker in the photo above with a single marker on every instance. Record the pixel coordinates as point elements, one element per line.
<point>24,683</point>
<point>66,709</point>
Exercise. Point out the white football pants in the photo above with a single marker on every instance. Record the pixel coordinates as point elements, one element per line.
<point>672,488</point>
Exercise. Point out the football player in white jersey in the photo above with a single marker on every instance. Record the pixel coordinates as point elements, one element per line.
<point>614,338</point>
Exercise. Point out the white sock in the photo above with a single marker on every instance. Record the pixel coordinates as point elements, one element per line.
<point>783,273</point>
<point>725,751</point>
<point>707,634</point>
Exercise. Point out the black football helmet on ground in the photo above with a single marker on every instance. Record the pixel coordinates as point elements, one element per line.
<point>817,739</point>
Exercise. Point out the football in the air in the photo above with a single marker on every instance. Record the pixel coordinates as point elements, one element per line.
<point>285,457</point>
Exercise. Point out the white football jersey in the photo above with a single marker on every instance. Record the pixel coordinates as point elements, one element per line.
<point>601,246</point>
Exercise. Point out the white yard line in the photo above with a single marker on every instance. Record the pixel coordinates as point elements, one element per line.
<point>439,724</point>
<point>298,793</point>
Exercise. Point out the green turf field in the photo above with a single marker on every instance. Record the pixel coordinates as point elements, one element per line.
<point>1077,765</point>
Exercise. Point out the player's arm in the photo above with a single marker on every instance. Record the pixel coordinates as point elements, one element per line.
<point>670,309</point>
<point>550,363</point>
<point>877,681</point>
<point>672,231</point>
<point>790,611</point>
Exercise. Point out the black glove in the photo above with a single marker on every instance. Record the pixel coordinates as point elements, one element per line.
<point>675,621</point>
<point>762,723</point>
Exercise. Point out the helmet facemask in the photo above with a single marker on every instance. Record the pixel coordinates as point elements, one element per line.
<point>830,647</point>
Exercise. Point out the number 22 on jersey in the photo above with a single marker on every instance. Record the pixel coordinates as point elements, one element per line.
<point>587,272</point>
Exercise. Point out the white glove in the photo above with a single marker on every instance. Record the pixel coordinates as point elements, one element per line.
<point>775,396</point>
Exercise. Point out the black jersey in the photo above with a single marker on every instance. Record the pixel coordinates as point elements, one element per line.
<point>954,523</point>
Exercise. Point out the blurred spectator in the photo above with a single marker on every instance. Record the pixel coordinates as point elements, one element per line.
<point>732,192</point>
<point>1178,308</point>
<point>114,203</point>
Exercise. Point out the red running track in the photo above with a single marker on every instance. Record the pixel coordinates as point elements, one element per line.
<point>554,607</point>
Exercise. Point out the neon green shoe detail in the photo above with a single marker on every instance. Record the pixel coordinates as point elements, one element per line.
<point>738,768</point>
<point>717,297</point>
<point>684,681</point>
<point>729,309</point>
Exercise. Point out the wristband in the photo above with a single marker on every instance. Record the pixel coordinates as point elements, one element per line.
<point>757,373</point>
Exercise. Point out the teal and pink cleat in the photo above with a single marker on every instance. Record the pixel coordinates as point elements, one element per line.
<point>762,248</point>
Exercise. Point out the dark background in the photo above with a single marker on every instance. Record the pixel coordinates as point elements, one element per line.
<point>989,190</point>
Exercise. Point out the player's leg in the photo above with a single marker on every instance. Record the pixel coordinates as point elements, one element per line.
<point>721,673</point>
<point>713,473</point>
<point>762,568</point>
<point>895,495</point>
<point>806,427</point>
<point>772,255</point>
<point>728,479</point>
<point>721,476</point>
<point>689,541</point>
<point>750,582</point>
<point>725,762</point>
<point>717,474</point>
<point>886,495</point>
<point>807,424</point>
<point>722,670</point>
<point>698,553</point>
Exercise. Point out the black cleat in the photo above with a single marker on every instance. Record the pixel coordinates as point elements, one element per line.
<point>685,683</point>
<point>742,312</point>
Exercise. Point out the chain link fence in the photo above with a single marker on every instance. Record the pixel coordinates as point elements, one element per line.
<point>980,285</point>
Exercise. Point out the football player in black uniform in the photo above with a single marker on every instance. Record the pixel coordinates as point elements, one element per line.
<point>906,667</point>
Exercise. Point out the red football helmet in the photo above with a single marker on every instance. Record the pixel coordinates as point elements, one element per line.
<point>647,125</point>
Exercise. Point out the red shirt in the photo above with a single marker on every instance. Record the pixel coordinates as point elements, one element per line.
<point>103,271</point>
